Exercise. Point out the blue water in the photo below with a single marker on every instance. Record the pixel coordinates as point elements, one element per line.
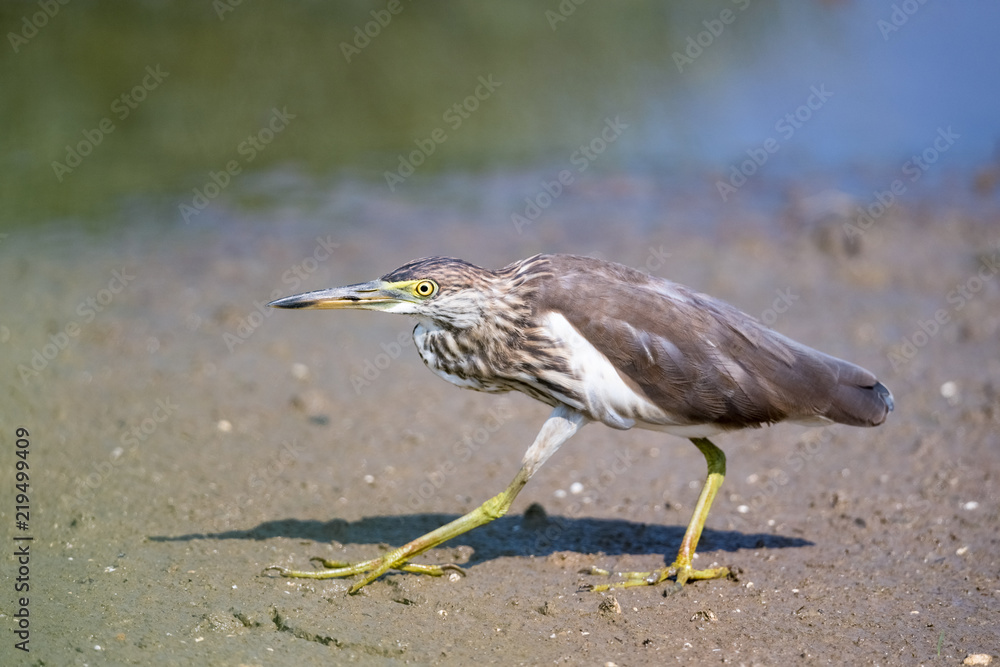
<point>893,84</point>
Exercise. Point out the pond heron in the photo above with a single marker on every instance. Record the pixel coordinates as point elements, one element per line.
<point>601,342</point>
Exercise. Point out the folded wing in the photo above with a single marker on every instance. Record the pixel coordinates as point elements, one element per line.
<point>701,360</point>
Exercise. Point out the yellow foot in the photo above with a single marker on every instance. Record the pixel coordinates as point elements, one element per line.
<point>372,569</point>
<point>681,572</point>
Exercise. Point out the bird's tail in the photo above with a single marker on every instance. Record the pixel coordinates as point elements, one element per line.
<point>858,399</point>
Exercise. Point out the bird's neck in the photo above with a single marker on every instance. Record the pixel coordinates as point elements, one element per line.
<point>475,346</point>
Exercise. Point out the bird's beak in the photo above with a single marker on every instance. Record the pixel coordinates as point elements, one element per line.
<point>374,295</point>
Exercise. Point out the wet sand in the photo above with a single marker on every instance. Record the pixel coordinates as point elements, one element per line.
<point>182,438</point>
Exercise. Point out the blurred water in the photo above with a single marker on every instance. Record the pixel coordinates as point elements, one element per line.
<point>109,110</point>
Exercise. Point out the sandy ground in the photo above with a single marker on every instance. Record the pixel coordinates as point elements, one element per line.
<point>182,438</point>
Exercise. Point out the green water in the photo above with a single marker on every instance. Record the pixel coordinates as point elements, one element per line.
<point>103,102</point>
<point>117,111</point>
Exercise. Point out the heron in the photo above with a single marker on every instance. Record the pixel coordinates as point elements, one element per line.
<point>600,342</point>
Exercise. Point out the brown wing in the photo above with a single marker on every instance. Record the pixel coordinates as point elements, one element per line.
<point>701,359</point>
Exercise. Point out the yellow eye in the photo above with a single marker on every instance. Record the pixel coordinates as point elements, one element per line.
<point>425,288</point>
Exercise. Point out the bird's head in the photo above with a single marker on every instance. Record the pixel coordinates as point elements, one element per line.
<point>449,292</point>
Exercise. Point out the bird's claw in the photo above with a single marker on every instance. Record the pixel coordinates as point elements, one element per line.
<point>371,568</point>
<point>413,568</point>
<point>681,572</point>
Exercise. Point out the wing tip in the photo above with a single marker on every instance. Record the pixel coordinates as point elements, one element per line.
<point>886,396</point>
<point>860,405</point>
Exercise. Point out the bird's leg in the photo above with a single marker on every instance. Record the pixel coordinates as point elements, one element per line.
<point>561,424</point>
<point>681,568</point>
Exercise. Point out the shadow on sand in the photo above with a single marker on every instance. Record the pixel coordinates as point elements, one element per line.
<point>531,534</point>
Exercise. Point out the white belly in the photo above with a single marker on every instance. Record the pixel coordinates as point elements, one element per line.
<point>606,396</point>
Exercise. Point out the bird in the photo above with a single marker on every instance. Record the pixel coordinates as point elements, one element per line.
<point>600,342</point>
